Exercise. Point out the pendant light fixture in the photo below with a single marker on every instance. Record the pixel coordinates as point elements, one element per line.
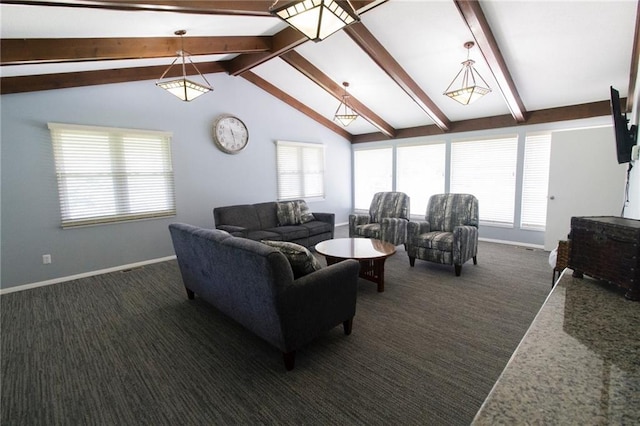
<point>183,88</point>
<point>316,19</point>
<point>468,85</point>
<point>345,114</point>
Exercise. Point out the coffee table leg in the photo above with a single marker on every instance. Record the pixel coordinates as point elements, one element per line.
<point>378,267</point>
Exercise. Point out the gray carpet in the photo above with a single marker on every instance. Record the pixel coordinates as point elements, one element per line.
<point>128,348</point>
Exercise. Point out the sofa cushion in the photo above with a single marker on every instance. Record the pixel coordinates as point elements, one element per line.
<point>305,213</point>
<point>267,214</point>
<point>288,213</point>
<point>301,260</point>
<point>316,227</point>
<point>263,235</point>
<point>244,215</point>
<point>289,232</point>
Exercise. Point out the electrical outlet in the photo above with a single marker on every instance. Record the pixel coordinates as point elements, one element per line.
<point>635,152</point>
<point>46,259</point>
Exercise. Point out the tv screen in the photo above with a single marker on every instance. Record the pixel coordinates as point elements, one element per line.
<point>625,137</point>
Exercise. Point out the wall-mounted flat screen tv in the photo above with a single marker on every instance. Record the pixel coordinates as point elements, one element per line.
<point>625,136</point>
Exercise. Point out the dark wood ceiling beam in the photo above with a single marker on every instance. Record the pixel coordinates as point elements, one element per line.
<point>15,51</point>
<point>297,61</point>
<point>33,83</point>
<point>635,57</point>
<point>294,103</point>
<point>476,21</point>
<point>213,7</point>
<point>372,47</point>
<point>281,42</point>
<point>551,115</point>
<point>208,7</point>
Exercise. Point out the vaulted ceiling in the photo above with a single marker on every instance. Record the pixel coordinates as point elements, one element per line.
<point>545,61</point>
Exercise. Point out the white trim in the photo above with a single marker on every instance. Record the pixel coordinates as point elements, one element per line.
<point>512,243</point>
<point>84,275</point>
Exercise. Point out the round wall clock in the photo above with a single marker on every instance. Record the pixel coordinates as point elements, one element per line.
<point>230,134</point>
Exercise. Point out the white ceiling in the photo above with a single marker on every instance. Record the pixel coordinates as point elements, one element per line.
<point>559,53</point>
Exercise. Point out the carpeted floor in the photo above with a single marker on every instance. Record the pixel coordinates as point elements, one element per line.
<point>128,348</point>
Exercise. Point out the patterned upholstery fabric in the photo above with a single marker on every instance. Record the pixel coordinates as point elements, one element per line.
<point>300,258</point>
<point>449,233</point>
<point>288,213</point>
<point>387,219</point>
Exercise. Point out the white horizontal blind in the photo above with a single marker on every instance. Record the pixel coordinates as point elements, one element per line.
<point>372,172</point>
<point>421,173</point>
<point>112,175</point>
<point>300,168</point>
<point>535,185</point>
<point>487,169</point>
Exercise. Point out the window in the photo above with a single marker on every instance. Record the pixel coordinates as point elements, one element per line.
<point>372,172</point>
<point>487,169</point>
<point>421,173</point>
<point>112,175</point>
<point>300,168</point>
<point>535,183</point>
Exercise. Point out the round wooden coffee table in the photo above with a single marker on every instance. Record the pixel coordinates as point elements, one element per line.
<point>369,252</point>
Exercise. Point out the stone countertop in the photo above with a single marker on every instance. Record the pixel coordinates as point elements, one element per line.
<point>579,362</point>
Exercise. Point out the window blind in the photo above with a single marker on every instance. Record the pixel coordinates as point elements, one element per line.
<point>300,169</point>
<point>421,173</point>
<point>535,184</point>
<point>487,169</point>
<point>373,172</point>
<point>112,175</point>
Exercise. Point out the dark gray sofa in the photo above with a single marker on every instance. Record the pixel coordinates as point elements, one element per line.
<point>260,222</point>
<point>254,284</point>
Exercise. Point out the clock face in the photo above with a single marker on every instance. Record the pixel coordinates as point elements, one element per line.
<point>230,134</point>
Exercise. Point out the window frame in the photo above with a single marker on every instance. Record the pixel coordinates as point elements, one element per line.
<point>302,171</point>
<point>101,179</point>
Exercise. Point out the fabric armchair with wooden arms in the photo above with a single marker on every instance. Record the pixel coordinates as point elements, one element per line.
<point>387,219</point>
<point>449,233</point>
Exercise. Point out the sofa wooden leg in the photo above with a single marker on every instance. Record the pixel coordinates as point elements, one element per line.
<point>475,260</point>
<point>347,325</point>
<point>412,261</point>
<point>190,294</point>
<point>458,269</point>
<point>289,360</point>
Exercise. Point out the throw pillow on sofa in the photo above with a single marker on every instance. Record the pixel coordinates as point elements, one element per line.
<point>302,261</point>
<point>288,213</point>
<point>305,213</point>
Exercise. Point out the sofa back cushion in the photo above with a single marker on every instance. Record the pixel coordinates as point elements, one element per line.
<point>244,215</point>
<point>267,214</point>
<point>389,204</point>
<point>446,211</point>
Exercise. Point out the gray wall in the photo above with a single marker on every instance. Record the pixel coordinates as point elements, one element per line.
<point>204,176</point>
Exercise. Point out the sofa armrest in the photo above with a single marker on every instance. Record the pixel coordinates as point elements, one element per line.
<point>417,227</point>
<point>329,218</point>
<point>394,230</point>
<point>319,301</point>
<point>236,231</point>
<point>465,243</point>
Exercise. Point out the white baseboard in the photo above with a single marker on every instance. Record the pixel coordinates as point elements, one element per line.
<point>512,243</point>
<point>83,275</point>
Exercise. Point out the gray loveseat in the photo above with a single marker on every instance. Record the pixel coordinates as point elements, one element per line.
<point>253,283</point>
<point>265,221</point>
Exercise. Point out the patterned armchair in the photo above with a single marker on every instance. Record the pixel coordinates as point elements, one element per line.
<point>387,219</point>
<point>449,234</point>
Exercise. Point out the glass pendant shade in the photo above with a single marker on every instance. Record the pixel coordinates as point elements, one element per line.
<point>183,88</point>
<point>468,85</point>
<point>317,19</point>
